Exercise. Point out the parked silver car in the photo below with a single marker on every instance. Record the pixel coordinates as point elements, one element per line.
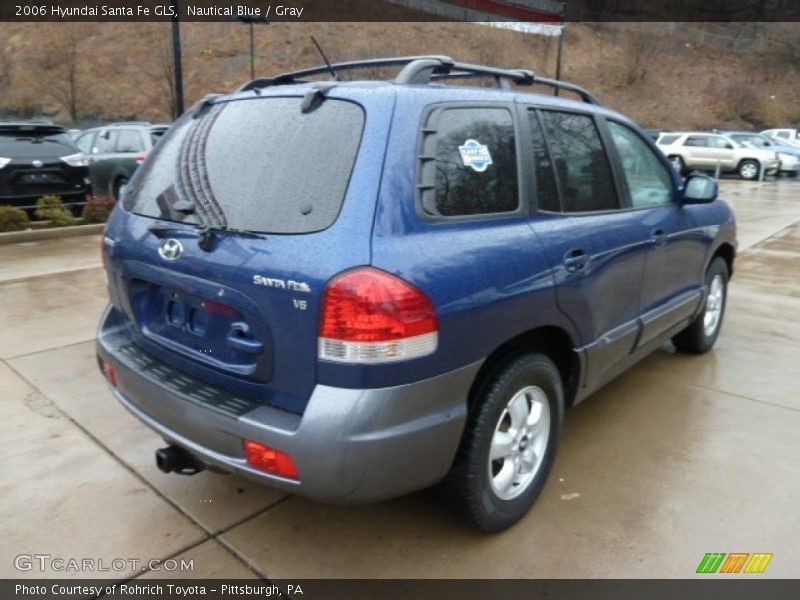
<point>707,151</point>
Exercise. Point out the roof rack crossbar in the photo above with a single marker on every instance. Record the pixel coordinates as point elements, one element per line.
<point>421,70</point>
<point>297,76</point>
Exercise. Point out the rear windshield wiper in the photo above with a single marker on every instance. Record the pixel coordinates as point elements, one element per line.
<point>207,233</point>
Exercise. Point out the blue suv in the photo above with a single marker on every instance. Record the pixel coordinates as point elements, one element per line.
<point>350,290</point>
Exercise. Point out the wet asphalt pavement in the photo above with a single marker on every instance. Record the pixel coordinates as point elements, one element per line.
<point>680,456</point>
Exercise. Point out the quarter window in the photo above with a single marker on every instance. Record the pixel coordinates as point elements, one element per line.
<point>649,182</point>
<point>469,163</point>
<point>581,165</point>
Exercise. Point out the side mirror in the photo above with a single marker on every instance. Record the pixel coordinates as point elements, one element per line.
<point>729,146</point>
<point>700,189</point>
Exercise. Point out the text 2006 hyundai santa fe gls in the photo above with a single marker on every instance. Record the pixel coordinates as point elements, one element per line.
<point>352,290</point>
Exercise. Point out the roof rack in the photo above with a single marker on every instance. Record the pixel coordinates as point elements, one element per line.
<point>422,70</point>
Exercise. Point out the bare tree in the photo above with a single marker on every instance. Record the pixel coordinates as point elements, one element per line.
<point>166,69</point>
<point>57,64</point>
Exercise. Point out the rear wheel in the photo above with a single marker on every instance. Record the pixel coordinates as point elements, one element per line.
<point>749,170</point>
<point>509,444</point>
<point>701,334</point>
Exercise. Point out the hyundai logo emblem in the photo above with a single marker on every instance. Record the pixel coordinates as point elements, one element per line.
<point>37,163</point>
<point>170,249</point>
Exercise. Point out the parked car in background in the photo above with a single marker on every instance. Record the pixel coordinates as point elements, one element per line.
<point>784,136</point>
<point>706,151</point>
<point>115,151</point>
<point>354,290</point>
<point>40,159</point>
<point>788,155</point>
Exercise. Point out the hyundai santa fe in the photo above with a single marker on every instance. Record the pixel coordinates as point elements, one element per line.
<point>351,290</point>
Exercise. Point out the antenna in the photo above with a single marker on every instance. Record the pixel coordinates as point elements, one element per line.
<point>325,58</point>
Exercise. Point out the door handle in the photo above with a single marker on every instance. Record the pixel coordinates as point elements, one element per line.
<point>237,340</point>
<point>658,237</point>
<point>575,260</point>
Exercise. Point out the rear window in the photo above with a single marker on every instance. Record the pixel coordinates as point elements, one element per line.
<point>33,144</point>
<point>263,164</point>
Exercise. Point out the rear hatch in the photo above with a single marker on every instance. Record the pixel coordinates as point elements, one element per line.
<point>39,160</point>
<point>231,229</point>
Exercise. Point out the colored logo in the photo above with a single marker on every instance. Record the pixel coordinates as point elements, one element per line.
<point>475,155</point>
<point>736,562</point>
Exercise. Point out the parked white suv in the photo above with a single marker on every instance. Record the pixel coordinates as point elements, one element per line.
<point>705,151</point>
<point>788,137</point>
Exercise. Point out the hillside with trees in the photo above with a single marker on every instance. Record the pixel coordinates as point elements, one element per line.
<point>666,75</point>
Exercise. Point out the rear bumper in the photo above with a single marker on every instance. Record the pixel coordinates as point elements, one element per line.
<point>350,445</point>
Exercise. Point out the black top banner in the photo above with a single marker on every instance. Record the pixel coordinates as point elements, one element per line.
<point>534,11</point>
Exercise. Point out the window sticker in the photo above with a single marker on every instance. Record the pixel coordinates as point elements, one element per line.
<point>475,155</point>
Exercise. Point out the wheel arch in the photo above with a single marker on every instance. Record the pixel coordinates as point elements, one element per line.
<point>727,252</point>
<point>552,341</point>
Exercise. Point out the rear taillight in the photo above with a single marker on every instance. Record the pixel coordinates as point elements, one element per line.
<point>370,316</point>
<point>140,159</point>
<point>270,460</point>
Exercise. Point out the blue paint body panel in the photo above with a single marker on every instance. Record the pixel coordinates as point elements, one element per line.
<point>490,279</point>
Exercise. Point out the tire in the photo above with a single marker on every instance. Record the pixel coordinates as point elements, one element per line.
<point>678,164</point>
<point>749,170</point>
<point>702,333</point>
<point>119,188</point>
<point>494,495</point>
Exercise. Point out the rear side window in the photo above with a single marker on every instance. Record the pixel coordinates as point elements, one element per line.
<point>263,164</point>
<point>581,165</point>
<point>106,141</point>
<point>697,141</point>
<point>666,140</point>
<point>129,140</point>
<point>469,162</point>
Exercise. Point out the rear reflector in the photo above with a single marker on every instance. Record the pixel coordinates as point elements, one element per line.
<point>370,316</point>
<point>269,460</point>
<point>140,159</point>
<point>110,373</point>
